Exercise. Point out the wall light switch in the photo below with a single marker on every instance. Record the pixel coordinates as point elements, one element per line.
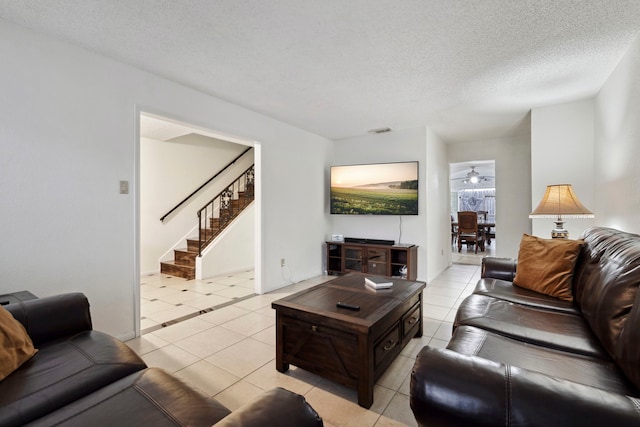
<point>124,187</point>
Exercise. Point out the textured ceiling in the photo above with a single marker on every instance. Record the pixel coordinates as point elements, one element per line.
<point>470,69</point>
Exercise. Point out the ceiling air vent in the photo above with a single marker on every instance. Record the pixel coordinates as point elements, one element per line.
<point>380,130</point>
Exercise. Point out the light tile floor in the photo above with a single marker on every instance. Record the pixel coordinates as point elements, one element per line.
<point>165,299</point>
<point>468,256</point>
<point>229,353</point>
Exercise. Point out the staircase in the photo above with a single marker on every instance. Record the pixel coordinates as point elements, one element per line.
<point>213,218</point>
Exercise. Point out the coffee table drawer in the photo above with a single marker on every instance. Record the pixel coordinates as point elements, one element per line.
<point>386,346</point>
<point>321,349</point>
<point>411,321</point>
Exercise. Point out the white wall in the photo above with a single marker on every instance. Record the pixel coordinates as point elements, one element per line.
<point>69,135</point>
<point>438,220</point>
<point>513,185</point>
<point>171,170</point>
<point>562,152</point>
<point>396,146</point>
<point>617,146</point>
<point>232,250</point>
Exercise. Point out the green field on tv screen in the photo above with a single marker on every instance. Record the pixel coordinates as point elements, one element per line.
<point>380,201</point>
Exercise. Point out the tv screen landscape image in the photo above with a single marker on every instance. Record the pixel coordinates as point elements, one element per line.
<point>375,189</point>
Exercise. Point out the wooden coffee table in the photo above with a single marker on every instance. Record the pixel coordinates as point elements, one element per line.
<point>353,348</point>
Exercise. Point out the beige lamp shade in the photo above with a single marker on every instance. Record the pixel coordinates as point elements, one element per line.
<point>560,201</point>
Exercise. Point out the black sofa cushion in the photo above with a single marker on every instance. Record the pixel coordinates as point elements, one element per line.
<point>453,389</point>
<point>595,372</point>
<point>62,371</point>
<point>146,398</point>
<point>504,290</point>
<point>560,330</point>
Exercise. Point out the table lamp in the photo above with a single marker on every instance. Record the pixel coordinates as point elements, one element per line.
<point>560,202</point>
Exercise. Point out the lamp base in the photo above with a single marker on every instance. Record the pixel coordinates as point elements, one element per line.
<point>559,232</point>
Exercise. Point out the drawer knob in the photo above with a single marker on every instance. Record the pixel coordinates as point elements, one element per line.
<point>314,328</point>
<point>413,320</point>
<point>390,345</point>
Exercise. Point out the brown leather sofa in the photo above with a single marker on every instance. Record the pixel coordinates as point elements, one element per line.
<point>82,377</point>
<point>521,358</point>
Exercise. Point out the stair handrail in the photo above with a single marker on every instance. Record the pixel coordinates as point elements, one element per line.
<point>224,197</point>
<point>231,163</point>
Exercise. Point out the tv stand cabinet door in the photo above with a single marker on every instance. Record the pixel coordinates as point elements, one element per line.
<point>354,257</point>
<point>378,261</point>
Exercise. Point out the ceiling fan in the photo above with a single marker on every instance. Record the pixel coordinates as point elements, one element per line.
<point>474,177</point>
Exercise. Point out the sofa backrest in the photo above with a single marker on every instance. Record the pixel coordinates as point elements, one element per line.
<point>54,317</point>
<point>606,283</point>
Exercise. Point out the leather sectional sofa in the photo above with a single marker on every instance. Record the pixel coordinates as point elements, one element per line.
<point>523,358</point>
<point>84,377</point>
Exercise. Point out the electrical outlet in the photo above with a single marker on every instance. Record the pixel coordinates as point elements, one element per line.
<point>281,262</point>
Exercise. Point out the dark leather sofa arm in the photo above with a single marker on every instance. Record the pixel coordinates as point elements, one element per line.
<point>499,268</point>
<point>275,408</point>
<point>50,318</point>
<point>448,389</point>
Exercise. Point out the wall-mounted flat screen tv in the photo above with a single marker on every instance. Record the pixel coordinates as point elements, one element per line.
<point>375,189</point>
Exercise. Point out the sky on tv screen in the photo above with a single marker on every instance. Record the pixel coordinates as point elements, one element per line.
<point>364,175</point>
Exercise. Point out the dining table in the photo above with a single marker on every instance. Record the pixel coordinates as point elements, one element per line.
<point>484,226</point>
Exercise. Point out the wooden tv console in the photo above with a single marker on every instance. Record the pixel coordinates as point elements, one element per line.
<point>383,260</point>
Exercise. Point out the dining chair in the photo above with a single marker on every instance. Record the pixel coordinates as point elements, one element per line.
<point>468,231</point>
<point>454,231</point>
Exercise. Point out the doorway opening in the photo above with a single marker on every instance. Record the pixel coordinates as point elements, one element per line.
<point>181,169</point>
<point>473,188</point>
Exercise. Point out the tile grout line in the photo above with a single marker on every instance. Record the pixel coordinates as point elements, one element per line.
<point>195,314</point>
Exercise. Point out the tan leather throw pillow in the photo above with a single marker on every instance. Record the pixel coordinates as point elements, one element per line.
<point>546,265</point>
<point>16,346</point>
